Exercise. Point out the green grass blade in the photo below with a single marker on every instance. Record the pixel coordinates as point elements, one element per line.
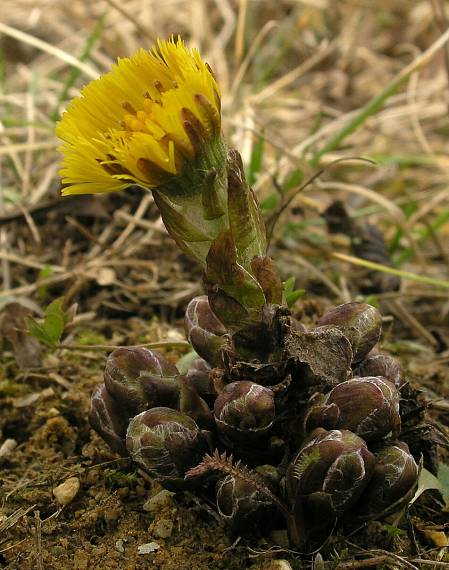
<point>409,209</point>
<point>255,165</point>
<point>408,275</point>
<point>370,109</point>
<point>424,235</point>
<point>75,72</point>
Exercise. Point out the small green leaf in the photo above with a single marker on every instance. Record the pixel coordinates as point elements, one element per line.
<point>49,329</point>
<point>118,478</point>
<point>255,165</point>
<point>292,294</point>
<point>185,362</point>
<point>270,203</point>
<point>289,284</point>
<point>44,273</point>
<point>394,530</point>
<point>443,478</point>
<point>292,297</point>
<point>294,179</point>
<point>372,300</point>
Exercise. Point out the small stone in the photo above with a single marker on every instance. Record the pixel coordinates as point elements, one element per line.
<point>105,276</point>
<point>140,491</point>
<point>159,501</point>
<point>119,545</point>
<point>47,393</point>
<point>281,565</point>
<point>274,565</point>
<point>148,548</point>
<point>163,528</point>
<point>25,401</point>
<point>7,447</point>
<point>66,492</point>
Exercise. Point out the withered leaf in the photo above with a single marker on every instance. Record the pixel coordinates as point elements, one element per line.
<point>27,349</point>
<point>264,270</point>
<point>323,353</point>
<point>224,270</point>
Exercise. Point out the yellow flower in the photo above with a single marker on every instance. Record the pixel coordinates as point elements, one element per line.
<point>141,123</point>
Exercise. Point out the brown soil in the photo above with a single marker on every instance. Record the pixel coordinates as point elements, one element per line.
<point>106,523</point>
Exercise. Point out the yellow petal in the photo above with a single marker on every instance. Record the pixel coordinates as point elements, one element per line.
<point>128,127</point>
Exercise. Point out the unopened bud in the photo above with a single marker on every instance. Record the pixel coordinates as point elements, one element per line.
<point>165,443</point>
<point>367,406</point>
<point>109,419</point>
<point>137,378</point>
<point>203,329</point>
<point>394,479</point>
<point>244,412</point>
<point>359,322</point>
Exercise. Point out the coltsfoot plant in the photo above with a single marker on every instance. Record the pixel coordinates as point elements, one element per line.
<point>275,421</point>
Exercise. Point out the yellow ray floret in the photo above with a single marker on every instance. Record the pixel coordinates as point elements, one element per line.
<point>141,122</point>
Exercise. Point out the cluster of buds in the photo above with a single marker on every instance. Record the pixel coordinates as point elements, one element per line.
<point>313,450</point>
<point>310,416</point>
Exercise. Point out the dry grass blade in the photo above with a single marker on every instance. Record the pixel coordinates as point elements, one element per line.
<point>27,147</point>
<point>14,518</point>
<point>50,49</point>
<point>377,102</point>
<point>397,215</point>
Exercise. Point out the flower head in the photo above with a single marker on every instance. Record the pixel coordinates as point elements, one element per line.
<point>155,121</point>
<point>141,122</point>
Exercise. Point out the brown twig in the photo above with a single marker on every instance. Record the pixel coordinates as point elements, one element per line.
<point>38,540</point>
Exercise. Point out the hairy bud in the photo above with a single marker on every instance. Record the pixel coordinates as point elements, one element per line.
<point>244,412</point>
<point>199,376</point>
<point>359,322</point>
<point>367,406</point>
<point>328,474</point>
<point>108,419</point>
<point>381,365</point>
<point>165,443</point>
<point>137,378</point>
<point>394,479</point>
<point>242,504</point>
<point>203,329</point>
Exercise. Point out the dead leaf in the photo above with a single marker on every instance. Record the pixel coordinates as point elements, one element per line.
<point>443,478</point>
<point>426,482</point>
<point>438,537</point>
<point>27,350</point>
<point>324,353</point>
